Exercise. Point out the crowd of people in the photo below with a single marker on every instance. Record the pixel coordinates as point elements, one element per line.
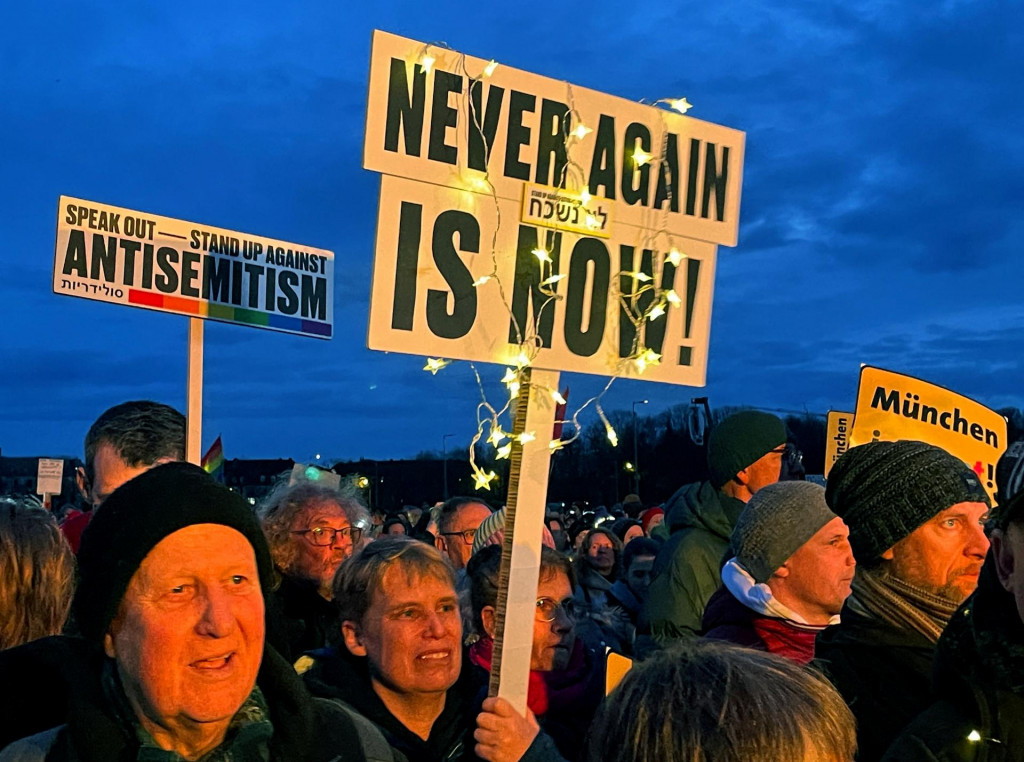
<point>880,617</point>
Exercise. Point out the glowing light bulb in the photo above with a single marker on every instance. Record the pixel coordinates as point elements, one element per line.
<point>974,736</point>
<point>675,257</point>
<point>612,436</point>
<point>482,479</point>
<point>489,69</point>
<point>481,280</point>
<point>641,157</point>
<point>434,364</point>
<point>581,131</point>
<point>542,254</point>
<point>680,104</point>
<point>513,389</point>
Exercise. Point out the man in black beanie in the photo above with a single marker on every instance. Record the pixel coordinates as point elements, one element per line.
<point>916,516</point>
<point>174,665</point>
<point>744,454</point>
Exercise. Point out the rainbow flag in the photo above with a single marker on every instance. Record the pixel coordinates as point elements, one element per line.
<point>213,461</point>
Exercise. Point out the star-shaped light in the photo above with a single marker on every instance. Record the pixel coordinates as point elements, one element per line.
<point>640,275</point>
<point>675,257</point>
<point>555,444</point>
<point>504,451</point>
<point>489,69</point>
<point>557,397</point>
<point>585,197</point>
<point>553,279</point>
<point>526,437</point>
<point>521,360</point>
<point>496,436</point>
<point>641,157</point>
<point>673,298</point>
<point>680,104</point>
<point>481,280</point>
<point>646,358</point>
<point>581,131</point>
<point>656,312</point>
<point>509,377</point>
<point>513,389</point>
<point>592,222</point>
<point>482,479</point>
<point>542,254</point>
<point>434,364</point>
<point>427,62</point>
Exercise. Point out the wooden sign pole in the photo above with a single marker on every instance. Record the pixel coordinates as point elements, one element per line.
<point>194,399</point>
<point>520,555</point>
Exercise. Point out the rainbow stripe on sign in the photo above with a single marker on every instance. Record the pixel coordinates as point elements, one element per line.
<point>226,312</point>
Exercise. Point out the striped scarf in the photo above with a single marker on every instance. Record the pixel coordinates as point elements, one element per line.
<point>899,604</point>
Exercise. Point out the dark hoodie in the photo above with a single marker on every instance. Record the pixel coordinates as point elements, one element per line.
<point>979,685</point>
<point>337,674</point>
<point>687,571</point>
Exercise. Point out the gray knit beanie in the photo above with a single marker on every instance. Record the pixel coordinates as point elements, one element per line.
<point>886,490</point>
<point>741,439</point>
<point>777,521</point>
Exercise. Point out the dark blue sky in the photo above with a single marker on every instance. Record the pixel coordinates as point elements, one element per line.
<point>881,213</point>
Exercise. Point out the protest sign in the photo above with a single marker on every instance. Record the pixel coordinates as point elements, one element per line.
<point>893,406</point>
<point>122,256</point>
<point>433,245</point>
<point>439,116</point>
<point>837,437</point>
<point>49,476</point>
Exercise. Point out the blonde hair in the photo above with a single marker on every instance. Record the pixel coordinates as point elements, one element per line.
<point>37,573</point>
<point>710,701</point>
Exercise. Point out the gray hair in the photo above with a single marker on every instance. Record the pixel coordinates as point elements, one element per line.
<point>279,509</point>
<point>37,573</point>
<point>741,705</point>
<point>361,576</point>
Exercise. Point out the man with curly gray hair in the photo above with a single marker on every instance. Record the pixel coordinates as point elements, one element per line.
<point>311,528</point>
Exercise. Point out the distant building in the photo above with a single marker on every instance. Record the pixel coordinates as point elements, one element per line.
<point>253,479</point>
<point>18,477</point>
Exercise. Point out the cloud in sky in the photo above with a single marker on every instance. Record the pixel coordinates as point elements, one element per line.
<point>880,214</point>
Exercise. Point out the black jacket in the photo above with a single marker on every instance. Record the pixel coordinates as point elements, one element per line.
<point>337,674</point>
<point>304,728</point>
<point>299,619</point>
<point>884,675</point>
<point>979,683</point>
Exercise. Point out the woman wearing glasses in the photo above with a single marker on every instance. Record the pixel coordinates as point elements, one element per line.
<point>311,528</point>
<point>566,678</point>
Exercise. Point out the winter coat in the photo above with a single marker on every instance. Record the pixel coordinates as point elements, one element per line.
<point>604,624</point>
<point>300,619</point>
<point>979,684</point>
<point>725,618</point>
<point>687,571</point>
<point>334,673</point>
<point>303,728</point>
<point>883,674</point>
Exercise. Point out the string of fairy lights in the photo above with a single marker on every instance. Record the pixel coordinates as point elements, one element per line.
<point>644,302</point>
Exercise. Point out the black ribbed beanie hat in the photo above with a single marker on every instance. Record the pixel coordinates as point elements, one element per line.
<point>886,490</point>
<point>137,516</point>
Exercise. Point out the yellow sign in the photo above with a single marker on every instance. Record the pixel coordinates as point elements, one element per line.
<point>837,438</point>
<point>618,666</point>
<point>892,406</point>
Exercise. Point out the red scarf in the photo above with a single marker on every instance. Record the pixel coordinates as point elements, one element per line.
<point>558,688</point>
<point>782,638</point>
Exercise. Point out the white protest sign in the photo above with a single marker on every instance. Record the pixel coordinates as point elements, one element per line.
<point>50,476</point>
<point>893,406</point>
<point>438,116</point>
<point>434,243</point>
<point>122,256</point>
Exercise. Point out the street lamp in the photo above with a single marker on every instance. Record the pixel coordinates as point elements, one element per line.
<point>444,450</point>
<point>636,449</point>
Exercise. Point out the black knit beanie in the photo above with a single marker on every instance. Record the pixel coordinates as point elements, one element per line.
<point>886,490</point>
<point>776,523</point>
<point>137,516</point>
<point>740,440</point>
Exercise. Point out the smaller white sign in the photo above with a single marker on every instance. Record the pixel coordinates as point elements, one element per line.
<point>50,476</point>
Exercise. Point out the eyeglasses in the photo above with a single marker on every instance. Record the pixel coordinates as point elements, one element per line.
<point>548,608</point>
<point>467,535</point>
<point>326,535</point>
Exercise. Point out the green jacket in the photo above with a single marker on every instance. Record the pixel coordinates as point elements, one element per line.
<point>688,569</point>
